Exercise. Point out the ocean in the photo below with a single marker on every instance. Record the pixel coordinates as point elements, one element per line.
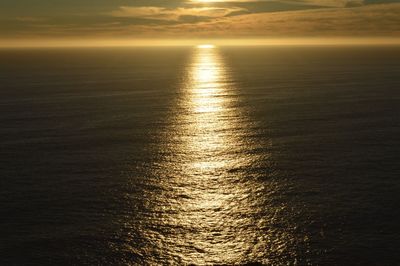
<point>200,155</point>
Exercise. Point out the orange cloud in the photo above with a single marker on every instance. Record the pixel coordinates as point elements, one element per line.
<point>162,13</point>
<point>371,20</point>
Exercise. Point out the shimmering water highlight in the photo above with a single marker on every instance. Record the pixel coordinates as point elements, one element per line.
<point>210,204</point>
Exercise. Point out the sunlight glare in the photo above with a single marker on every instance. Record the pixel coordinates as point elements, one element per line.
<point>204,1</point>
<point>206,46</point>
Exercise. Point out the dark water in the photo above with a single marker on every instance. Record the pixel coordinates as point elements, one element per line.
<point>280,156</point>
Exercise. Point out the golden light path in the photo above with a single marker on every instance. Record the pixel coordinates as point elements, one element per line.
<point>207,208</point>
<point>209,144</point>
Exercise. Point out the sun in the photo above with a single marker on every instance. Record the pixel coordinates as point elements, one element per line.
<point>207,1</point>
<point>206,46</point>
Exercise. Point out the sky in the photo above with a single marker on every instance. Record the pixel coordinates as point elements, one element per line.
<point>61,20</point>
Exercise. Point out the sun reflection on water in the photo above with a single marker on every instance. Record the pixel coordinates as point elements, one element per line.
<point>212,155</point>
<point>207,206</point>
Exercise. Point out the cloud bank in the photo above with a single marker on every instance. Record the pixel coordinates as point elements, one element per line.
<point>211,19</point>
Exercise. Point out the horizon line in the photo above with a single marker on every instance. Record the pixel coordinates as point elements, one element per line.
<point>164,42</point>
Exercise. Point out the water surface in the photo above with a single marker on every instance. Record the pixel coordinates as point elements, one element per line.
<point>272,155</point>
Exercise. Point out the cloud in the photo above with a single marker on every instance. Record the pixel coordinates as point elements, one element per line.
<point>367,20</point>
<point>320,3</point>
<point>175,14</point>
<point>30,19</point>
<point>333,3</point>
<point>274,18</point>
